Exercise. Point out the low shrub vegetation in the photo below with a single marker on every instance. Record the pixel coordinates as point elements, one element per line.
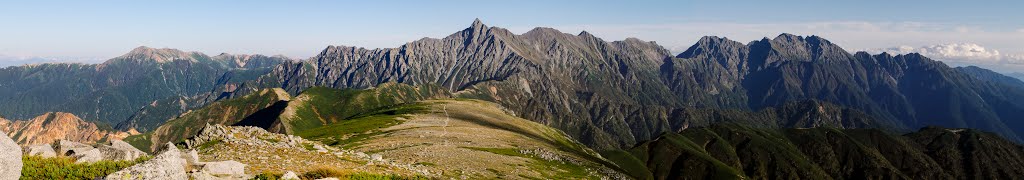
<point>65,168</point>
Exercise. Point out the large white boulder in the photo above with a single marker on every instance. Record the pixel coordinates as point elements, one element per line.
<point>10,158</point>
<point>41,150</point>
<point>67,148</point>
<point>229,168</point>
<point>120,151</point>
<point>290,175</point>
<point>167,165</point>
<point>87,156</point>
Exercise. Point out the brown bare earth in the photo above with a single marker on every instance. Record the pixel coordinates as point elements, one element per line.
<point>53,126</point>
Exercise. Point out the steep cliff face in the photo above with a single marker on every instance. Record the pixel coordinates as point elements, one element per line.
<point>53,126</point>
<point>112,91</point>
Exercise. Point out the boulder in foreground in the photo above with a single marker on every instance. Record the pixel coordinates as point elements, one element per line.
<point>10,158</point>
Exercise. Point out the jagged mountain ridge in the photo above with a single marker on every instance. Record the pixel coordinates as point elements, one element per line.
<point>112,91</point>
<point>614,94</point>
<point>990,76</point>
<point>489,59</point>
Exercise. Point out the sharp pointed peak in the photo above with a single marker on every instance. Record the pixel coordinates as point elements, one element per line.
<point>787,36</point>
<point>477,21</point>
<point>584,33</point>
<point>477,24</point>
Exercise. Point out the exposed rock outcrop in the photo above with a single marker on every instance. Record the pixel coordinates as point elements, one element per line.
<point>10,158</point>
<point>173,163</point>
<point>42,150</point>
<point>90,155</point>
<point>54,126</point>
<point>116,150</point>
<point>224,168</point>
<point>120,151</point>
<point>167,165</point>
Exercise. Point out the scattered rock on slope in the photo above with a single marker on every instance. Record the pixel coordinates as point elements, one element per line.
<point>271,152</point>
<point>172,163</point>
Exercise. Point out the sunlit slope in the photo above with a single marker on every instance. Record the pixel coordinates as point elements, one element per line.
<point>465,138</point>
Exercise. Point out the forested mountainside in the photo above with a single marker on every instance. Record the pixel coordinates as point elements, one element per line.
<point>113,91</point>
<point>733,151</point>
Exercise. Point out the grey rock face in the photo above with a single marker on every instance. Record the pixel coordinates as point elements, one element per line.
<point>10,158</point>
<point>117,150</point>
<point>120,151</point>
<point>65,147</point>
<point>224,168</point>
<point>167,165</point>
<point>41,150</point>
<point>83,155</point>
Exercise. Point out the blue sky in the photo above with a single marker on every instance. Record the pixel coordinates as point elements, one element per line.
<point>93,31</point>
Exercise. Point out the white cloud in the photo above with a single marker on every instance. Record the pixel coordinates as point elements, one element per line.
<point>956,52</point>
<point>963,54</point>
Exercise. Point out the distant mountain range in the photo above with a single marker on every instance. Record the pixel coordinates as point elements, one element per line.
<point>1016,75</point>
<point>113,91</point>
<point>607,94</point>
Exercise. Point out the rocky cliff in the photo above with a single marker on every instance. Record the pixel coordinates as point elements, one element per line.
<point>53,126</point>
